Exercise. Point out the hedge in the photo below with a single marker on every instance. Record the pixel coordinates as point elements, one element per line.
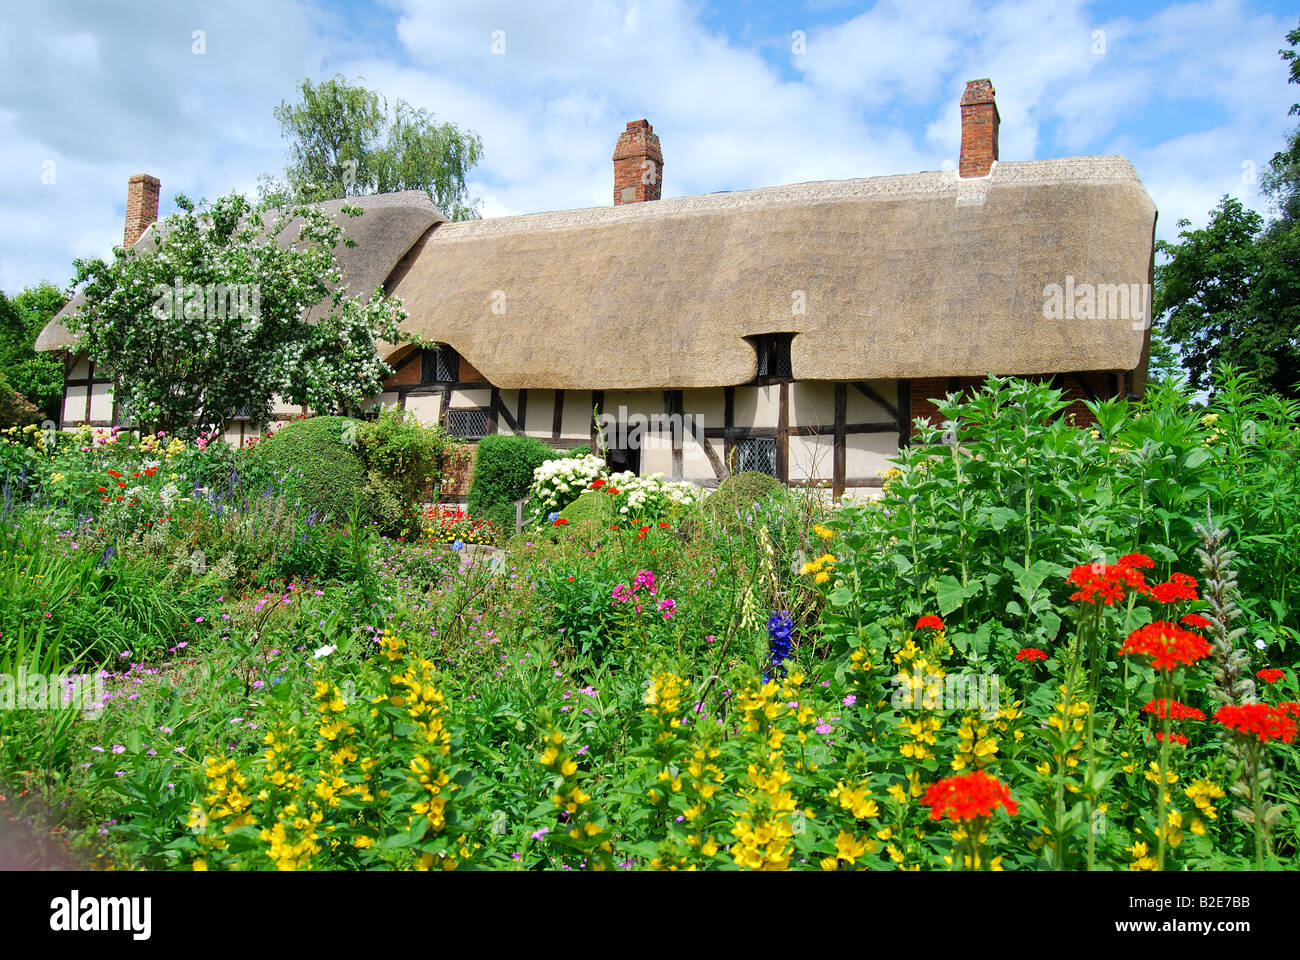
<point>503,473</point>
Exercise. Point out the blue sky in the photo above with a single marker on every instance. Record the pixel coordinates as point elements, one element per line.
<point>1193,93</point>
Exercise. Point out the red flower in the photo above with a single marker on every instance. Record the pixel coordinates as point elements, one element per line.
<point>1271,674</point>
<point>1174,737</point>
<point>1291,707</point>
<point>559,522</point>
<point>1167,644</point>
<point>1194,620</point>
<point>1258,721</point>
<point>1177,711</point>
<point>1179,587</point>
<point>968,796</point>
<point>931,621</point>
<point>1105,581</point>
<point>1031,654</point>
<point>1136,561</point>
<point>664,525</point>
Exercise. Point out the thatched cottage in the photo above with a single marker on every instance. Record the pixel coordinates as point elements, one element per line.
<point>796,330</point>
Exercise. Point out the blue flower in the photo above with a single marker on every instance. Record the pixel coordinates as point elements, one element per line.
<point>552,516</point>
<point>458,544</point>
<point>779,628</point>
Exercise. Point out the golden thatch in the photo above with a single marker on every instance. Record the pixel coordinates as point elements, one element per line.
<point>899,277</point>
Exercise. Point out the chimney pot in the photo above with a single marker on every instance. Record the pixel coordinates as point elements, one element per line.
<point>638,164</point>
<point>979,129</point>
<point>141,206</point>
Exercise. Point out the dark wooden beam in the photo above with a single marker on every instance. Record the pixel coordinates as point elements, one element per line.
<point>557,418</point>
<point>90,388</point>
<point>700,436</point>
<point>1088,392</point>
<point>783,435</point>
<point>676,410</point>
<point>839,454</point>
<point>728,423</point>
<point>904,413</point>
<point>798,430</point>
<point>870,393</point>
<point>523,411</point>
<point>497,409</point>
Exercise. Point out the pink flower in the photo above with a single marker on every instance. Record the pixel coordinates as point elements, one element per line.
<point>850,700</point>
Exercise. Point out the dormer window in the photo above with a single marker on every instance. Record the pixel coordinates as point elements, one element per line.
<point>439,365</point>
<point>773,351</point>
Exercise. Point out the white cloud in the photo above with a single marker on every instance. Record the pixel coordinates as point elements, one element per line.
<point>105,91</point>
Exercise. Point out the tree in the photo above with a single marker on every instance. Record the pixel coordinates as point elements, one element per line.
<point>35,377</point>
<point>214,320</point>
<point>1226,295</point>
<point>345,142</point>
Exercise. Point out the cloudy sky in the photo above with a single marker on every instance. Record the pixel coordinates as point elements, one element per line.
<point>1194,94</point>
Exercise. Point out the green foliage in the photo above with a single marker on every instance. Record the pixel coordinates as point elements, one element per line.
<point>320,458</point>
<point>738,493</point>
<point>212,319</point>
<point>503,473</point>
<point>401,457</point>
<point>36,377</point>
<point>345,142</point>
<point>593,509</point>
<point>1229,293</point>
<point>15,410</point>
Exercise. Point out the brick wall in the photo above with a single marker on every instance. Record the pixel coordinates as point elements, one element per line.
<point>1072,384</point>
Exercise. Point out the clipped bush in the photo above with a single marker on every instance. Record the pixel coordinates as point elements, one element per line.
<point>592,509</point>
<point>503,473</point>
<point>738,493</point>
<point>320,458</point>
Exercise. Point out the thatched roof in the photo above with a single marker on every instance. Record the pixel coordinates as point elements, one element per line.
<point>907,276</point>
<point>387,228</point>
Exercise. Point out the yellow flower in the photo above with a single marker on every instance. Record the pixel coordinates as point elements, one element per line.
<point>849,847</point>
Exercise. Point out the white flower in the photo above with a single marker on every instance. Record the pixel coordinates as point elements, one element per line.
<point>1260,644</point>
<point>324,651</point>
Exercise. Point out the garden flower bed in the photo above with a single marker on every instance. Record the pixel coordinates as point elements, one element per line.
<point>1043,647</point>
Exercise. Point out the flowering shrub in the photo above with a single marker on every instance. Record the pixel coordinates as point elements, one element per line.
<point>557,483</point>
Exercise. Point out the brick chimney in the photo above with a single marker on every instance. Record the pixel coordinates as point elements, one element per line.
<point>141,206</point>
<point>979,129</point>
<point>638,164</point>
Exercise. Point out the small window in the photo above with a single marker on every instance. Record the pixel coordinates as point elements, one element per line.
<point>471,424</point>
<point>774,356</point>
<point>438,365</point>
<point>757,454</point>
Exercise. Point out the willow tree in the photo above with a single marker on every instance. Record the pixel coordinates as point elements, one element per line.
<point>345,141</point>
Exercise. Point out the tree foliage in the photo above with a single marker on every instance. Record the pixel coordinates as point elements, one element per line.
<point>213,319</point>
<point>344,141</point>
<point>37,378</point>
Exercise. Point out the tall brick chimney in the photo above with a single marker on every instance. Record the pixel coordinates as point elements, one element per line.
<point>979,129</point>
<point>141,206</point>
<point>638,164</point>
